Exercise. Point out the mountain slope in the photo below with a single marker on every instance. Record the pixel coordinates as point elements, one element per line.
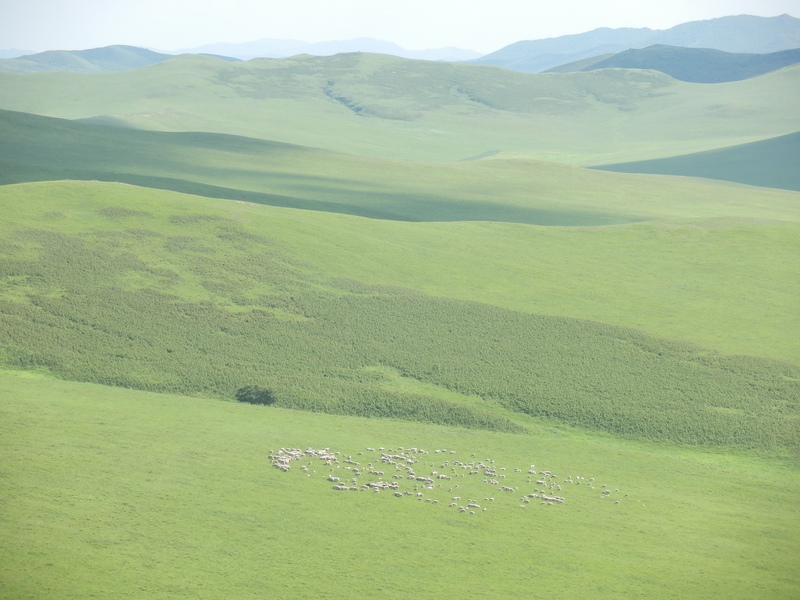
<point>110,58</point>
<point>696,65</point>
<point>741,34</point>
<point>770,163</point>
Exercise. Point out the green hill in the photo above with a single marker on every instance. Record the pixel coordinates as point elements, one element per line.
<point>232,167</point>
<point>409,248</point>
<point>769,163</point>
<point>696,65</point>
<point>384,106</point>
<point>604,274</point>
<point>153,297</point>
<point>110,58</point>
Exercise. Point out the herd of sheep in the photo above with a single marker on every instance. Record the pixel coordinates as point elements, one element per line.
<point>438,478</point>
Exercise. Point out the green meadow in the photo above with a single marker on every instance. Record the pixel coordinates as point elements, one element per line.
<point>408,255</point>
<point>133,494</point>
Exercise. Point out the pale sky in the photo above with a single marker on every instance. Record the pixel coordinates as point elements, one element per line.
<point>480,25</point>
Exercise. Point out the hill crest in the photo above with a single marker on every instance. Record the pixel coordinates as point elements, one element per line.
<point>694,65</point>
<point>739,34</point>
<point>95,60</point>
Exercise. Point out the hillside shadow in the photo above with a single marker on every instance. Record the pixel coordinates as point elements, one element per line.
<point>395,207</point>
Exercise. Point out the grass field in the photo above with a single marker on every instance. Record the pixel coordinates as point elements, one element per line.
<point>118,493</point>
<point>412,249</point>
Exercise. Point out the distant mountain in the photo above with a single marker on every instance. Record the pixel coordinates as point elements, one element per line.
<point>696,65</point>
<point>110,58</point>
<point>271,48</point>
<point>14,53</point>
<point>740,34</point>
<point>768,163</point>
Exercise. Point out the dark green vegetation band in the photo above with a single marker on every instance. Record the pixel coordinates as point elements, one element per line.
<point>88,307</point>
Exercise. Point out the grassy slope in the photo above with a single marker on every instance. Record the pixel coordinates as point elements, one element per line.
<point>773,163</point>
<point>726,284</point>
<point>384,106</point>
<point>98,291</point>
<point>116,493</point>
<point>636,275</point>
<point>254,170</point>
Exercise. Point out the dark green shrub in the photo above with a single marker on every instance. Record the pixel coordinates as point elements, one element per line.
<point>254,394</point>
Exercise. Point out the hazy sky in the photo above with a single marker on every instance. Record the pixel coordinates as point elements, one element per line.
<point>481,25</point>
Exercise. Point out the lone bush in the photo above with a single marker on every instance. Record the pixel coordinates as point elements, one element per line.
<point>254,394</point>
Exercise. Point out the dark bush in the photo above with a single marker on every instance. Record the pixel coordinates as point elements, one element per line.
<point>254,394</point>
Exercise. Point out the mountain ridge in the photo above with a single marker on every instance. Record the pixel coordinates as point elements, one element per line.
<point>694,65</point>
<point>283,48</point>
<point>95,60</point>
<point>739,33</point>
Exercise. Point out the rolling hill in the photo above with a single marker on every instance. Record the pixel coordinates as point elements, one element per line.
<point>496,373</point>
<point>108,59</point>
<point>232,167</point>
<point>100,281</point>
<point>696,65</point>
<point>384,106</point>
<point>740,34</point>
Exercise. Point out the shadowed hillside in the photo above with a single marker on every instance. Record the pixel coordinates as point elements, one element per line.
<point>38,148</point>
<point>770,163</point>
<point>696,65</point>
<point>740,34</point>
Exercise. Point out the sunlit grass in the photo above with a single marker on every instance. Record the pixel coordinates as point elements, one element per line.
<point>118,493</point>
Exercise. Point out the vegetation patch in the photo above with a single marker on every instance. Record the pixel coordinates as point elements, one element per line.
<point>202,310</point>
